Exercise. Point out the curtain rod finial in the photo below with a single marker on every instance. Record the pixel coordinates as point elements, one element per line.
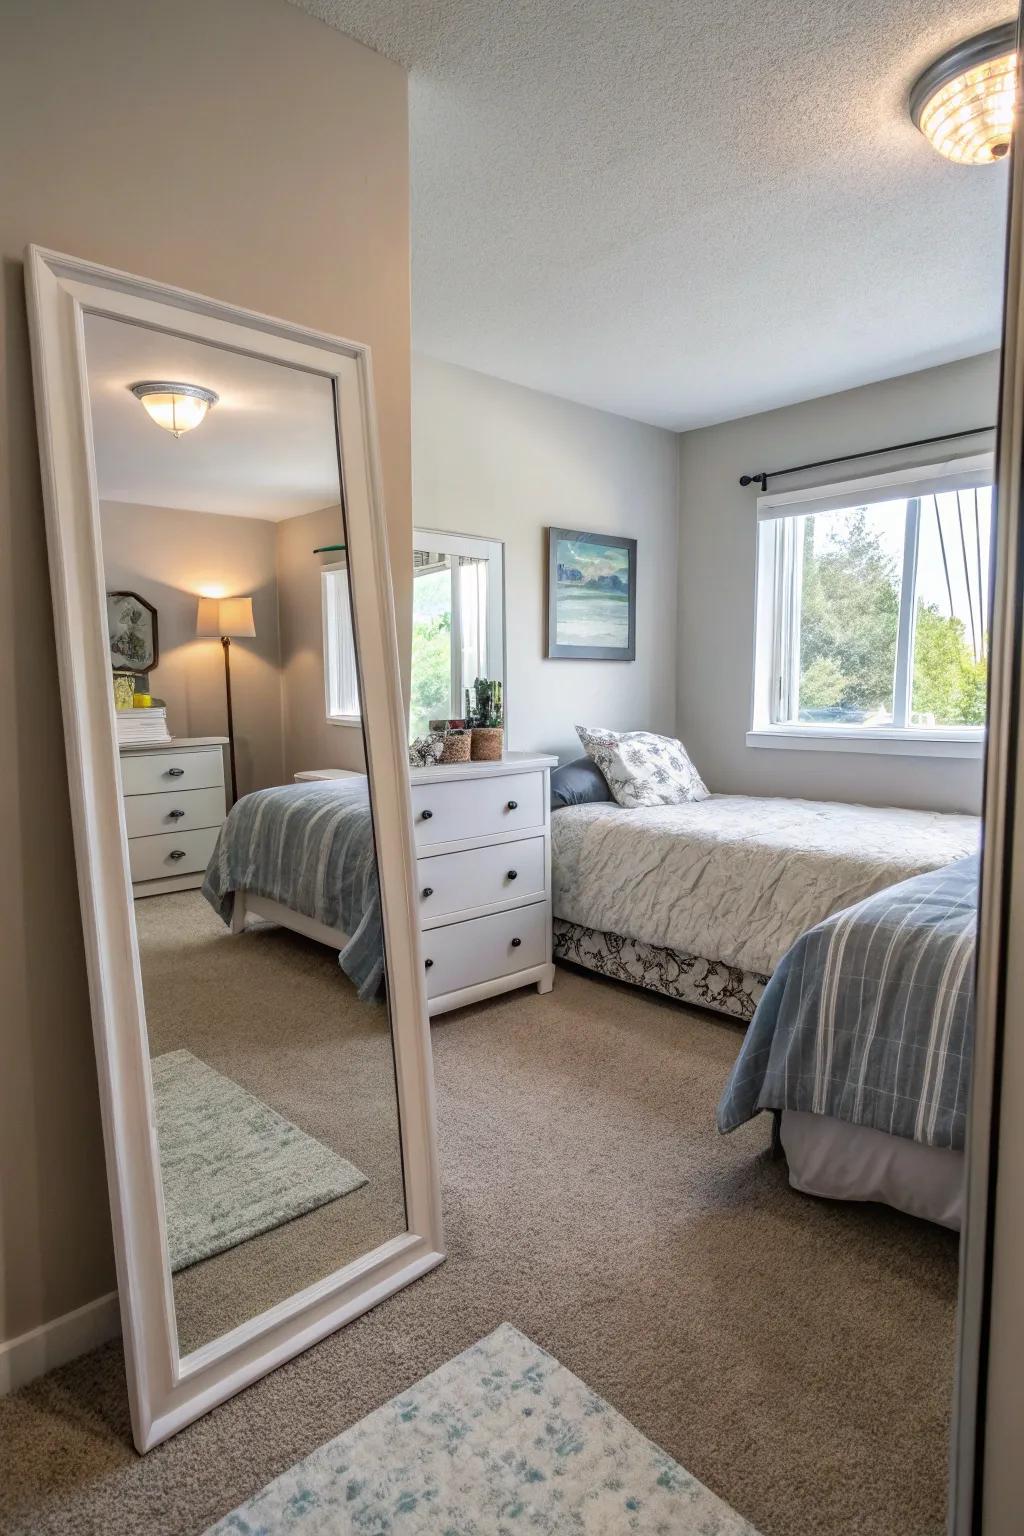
<point>749,480</point>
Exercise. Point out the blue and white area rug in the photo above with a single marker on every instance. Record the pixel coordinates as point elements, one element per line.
<point>501,1440</point>
<point>232,1167</point>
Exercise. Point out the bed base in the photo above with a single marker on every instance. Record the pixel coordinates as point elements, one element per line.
<point>246,904</point>
<point>669,972</point>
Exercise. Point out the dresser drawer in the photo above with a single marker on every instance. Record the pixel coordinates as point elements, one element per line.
<point>148,773</point>
<point>446,812</point>
<point>171,853</point>
<point>484,948</point>
<point>145,815</point>
<point>480,877</point>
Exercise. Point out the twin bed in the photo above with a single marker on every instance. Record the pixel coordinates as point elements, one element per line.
<point>847,930</point>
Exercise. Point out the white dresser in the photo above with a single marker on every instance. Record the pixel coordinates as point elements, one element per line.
<point>173,809</point>
<point>484,876</point>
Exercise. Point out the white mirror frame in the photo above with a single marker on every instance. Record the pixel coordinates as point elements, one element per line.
<point>167,1390</point>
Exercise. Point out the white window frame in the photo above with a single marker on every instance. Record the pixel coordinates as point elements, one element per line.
<point>477,548</point>
<point>341,674</point>
<point>777,615</point>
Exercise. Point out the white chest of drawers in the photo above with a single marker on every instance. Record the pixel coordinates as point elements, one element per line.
<point>483,875</point>
<point>173,809</point>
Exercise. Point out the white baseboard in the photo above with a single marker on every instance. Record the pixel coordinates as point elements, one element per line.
<point>43,1349</point>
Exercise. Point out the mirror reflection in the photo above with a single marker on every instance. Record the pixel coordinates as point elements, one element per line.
<point>248,818</point>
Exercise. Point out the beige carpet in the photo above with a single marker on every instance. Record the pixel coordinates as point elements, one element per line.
<point>793,1355</point>
<point>275,1013</point>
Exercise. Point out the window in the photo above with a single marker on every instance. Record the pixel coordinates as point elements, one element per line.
<point>341,679</point>
<point>873,612</point>
<point>457,624</point>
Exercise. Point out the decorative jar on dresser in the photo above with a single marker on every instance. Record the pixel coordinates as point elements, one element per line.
<point>173,809</point>
<point>483,875</point>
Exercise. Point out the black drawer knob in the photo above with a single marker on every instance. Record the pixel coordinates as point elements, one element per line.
<point>175,773</point>
<point>177,853</point>
<point>512,874</point>
<point>427,964</point>
<point>516,943</point>
<point>428,890</point>
<point>427,815</point>
<point>174,815</point>
<point>513,805</point>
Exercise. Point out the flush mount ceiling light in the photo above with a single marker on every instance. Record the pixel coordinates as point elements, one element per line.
<point>963,103</point>
<point>175,407</point>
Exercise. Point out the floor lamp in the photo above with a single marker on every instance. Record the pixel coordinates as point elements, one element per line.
<point>230,618</point>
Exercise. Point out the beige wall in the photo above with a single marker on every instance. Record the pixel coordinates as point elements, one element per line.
<point>288,192</point>
<point>503,462</point>
<point>167,556</point>
<point>716,584</point>
<point>310,740</point>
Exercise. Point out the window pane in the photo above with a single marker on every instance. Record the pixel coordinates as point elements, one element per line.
<point>473,594</point>
<point>848,569</point>
<point>951,609</point>
<point>431,686</point>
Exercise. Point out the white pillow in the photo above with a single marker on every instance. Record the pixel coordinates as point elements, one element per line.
<point>643,769</point>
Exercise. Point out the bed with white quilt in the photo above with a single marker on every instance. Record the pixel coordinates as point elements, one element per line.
<point>701,900</point>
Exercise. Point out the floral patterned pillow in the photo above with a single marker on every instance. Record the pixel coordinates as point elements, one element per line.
<point>643,769</point>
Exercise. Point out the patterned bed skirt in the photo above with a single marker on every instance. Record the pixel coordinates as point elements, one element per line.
<point>687,978</point>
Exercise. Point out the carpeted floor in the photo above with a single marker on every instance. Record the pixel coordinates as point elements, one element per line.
<point>793,1355</point>
<point>275,1014</point>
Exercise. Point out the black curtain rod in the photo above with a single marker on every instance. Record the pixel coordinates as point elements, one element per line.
<point>764,475</point>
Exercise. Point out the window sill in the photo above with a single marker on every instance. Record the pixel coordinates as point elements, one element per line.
<point>345,720</point>
<point>793,738</point>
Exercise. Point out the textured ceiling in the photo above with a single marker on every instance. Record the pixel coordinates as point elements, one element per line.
<point>686,212</point>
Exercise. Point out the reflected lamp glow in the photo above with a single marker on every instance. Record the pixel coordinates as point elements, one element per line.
<point>964,102</point>
<point>178,408</point>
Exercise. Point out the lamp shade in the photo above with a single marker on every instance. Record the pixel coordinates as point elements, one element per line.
<point>230,616</point>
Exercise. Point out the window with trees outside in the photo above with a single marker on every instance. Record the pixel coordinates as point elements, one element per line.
<point>873,611</point>
<point>457,623</point>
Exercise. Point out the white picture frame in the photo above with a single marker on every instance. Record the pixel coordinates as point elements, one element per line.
<point>167,1390</point>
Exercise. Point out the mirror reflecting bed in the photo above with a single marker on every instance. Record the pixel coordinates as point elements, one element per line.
<point>248,818</point>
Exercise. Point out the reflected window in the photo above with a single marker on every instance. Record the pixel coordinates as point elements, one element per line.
<point>457,625</point>
<point>341,679</point>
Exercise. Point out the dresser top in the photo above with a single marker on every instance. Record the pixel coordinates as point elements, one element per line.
<point>509,762</point>
<point>176,743</point>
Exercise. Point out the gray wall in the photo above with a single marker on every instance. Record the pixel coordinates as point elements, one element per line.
<point>717,544</point>
<point>308,218</point>
<point>496,460</point>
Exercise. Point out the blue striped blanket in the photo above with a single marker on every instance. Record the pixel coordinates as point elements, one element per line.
<point>310,847</point>
<point>869,1016</point>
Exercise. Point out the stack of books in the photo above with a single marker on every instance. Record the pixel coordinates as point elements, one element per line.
<point>142,727</point>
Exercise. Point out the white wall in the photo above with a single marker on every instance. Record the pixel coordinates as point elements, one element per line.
<point>496,460</point>
<point>716,584</point>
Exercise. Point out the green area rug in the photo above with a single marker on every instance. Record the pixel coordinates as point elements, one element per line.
<point>500,1440</point>
<point>232,1167</point>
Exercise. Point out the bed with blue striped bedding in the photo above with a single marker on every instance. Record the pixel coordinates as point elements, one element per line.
<point>869,1016</point>
<point>310,847</point>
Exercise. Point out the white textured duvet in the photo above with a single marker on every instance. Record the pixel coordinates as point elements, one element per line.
<point>734,878</point>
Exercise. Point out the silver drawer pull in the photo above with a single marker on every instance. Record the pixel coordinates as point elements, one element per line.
<point>179,853</point>
<point>175,814</point>
<point>175,773</point>
<point>516,943</point>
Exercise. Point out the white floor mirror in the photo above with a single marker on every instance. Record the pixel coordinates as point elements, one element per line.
<point>236,754</point>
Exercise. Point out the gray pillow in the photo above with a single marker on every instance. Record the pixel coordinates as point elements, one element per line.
<point>578,783</point>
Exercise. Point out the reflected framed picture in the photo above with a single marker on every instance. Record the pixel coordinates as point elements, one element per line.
<point>591,596</point>
<point>131,625</point>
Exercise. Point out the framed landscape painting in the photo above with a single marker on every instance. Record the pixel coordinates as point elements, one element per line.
<point>591,596</point>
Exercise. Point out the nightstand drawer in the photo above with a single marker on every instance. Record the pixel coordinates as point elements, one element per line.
<point>146,815</point>
<point>480,877</point>
<point>477,807</point>
<point>484,948</point>
<point>150,773</point>
<point>171,853</point>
